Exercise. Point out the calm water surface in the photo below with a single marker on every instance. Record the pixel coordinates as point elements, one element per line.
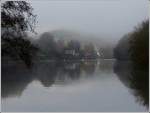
<point>103,85</point>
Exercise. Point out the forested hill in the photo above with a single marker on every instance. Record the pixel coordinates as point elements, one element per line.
<point>54,39</point>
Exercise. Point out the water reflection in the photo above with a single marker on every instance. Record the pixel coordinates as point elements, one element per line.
<point>136,78</point>
<point>15,78</point>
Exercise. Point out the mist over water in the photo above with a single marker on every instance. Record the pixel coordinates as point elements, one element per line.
<point>75,56</point>
<point>83,86</point>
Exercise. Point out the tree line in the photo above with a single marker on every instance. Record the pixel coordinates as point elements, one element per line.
<point>134,46</point>
<point>17,19</point>
<point>52,48</point>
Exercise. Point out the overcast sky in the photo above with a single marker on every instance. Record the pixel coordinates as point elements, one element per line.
<point>108,18</point>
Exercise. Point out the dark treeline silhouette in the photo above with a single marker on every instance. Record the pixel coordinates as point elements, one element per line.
<point>16,19</point>
<point>135,45</point>
<point>121,51</point>
<point>132,65</point>
<point>139,47</point>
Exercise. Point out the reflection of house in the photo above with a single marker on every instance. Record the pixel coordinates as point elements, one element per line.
<point>94,54</point>
<point>87,54</point>
<point>98,54</point>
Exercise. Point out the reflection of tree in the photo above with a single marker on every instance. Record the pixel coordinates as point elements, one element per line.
<point>140,82</point>
<point>135,78</point>
<point>89,67</point>
<point>46,73</point>
<point>72,70</point>
<point>16,78</point>
<point>106,65</point>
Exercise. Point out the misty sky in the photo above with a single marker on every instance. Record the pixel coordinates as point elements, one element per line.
<point>106,18</point>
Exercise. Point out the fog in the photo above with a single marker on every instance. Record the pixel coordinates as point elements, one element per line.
<point>84,55</point>
<point>107,19</point>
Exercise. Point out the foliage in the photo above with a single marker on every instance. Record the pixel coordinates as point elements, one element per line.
<point>16,19</point>
<point>135,45</point>
<point>121,51</point>
<point>18,16</point>
<point>139,45</point>
<point>19,49</point>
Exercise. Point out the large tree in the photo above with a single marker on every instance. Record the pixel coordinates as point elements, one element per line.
<point>17,16</point>
<point>139,45</point>
<point>16,19</point>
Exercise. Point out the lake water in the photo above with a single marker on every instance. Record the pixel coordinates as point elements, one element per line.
<point>73,86</point>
